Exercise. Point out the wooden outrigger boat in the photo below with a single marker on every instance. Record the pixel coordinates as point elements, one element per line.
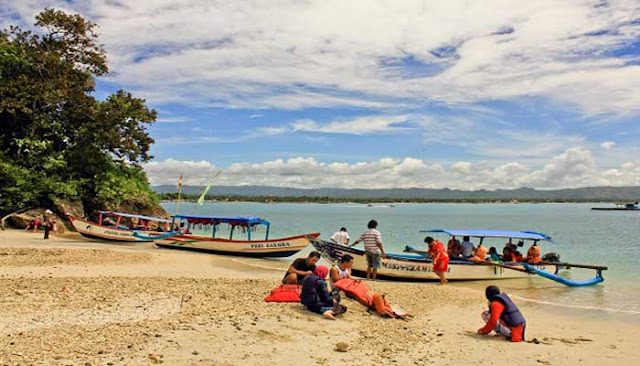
<point>185,240</point>
<point>419,267</point>
<point>113,230</point>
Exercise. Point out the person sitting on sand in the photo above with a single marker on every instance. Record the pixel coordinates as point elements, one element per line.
<point>533,254</point>
<point>493,254</point>
<point>467,247</point>
<point>480,254</point>
<point>439,257</point>
<point>316,298</point>
<point>503,316</point>
<point>454,250</point>
<point>300,268</point>
<point>342,270</point>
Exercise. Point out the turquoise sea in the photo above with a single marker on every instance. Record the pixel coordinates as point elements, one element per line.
<point>582,236</point>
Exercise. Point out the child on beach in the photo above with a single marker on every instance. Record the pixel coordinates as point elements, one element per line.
<point>315,295</point>
<point>503,316</point>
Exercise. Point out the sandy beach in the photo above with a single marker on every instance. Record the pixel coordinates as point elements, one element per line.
<point>69,301</point>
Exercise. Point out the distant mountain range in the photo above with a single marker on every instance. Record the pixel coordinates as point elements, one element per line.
<point>569,194</point>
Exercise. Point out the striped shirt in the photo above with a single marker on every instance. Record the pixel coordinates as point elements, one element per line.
<point>371,239</point>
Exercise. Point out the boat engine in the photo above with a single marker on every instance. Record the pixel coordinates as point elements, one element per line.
<point>551,257</point>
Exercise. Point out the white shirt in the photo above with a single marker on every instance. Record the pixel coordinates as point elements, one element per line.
<point>340,237</point>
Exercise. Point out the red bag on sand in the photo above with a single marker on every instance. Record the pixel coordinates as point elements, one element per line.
<point>285,293</point>
<point>357,289</point>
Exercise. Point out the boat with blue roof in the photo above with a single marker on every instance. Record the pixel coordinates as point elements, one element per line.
<point>418,266</point>
<point>251,246</point>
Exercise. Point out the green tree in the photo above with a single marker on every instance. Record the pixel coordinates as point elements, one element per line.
<point>56,139</point>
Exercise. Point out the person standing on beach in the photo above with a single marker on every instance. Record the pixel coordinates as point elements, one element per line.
<point>503,316</point>
<point>300,268</point>
<point>48,223</point>
<point>373,248</point>
<point>341,237</point>
<point>440,258</point>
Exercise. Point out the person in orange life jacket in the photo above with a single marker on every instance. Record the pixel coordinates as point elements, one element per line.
<point>440,258</point>
<point>300,268</point>
<point>316,298</point>
<point>533,254</point>
<point>503,316</point>
<point>342,270</point>
<point>480,254</point>
<point>517,256</point>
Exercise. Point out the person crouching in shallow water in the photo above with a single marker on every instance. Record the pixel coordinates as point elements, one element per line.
<point>315,295</point>
<point>503,316</point>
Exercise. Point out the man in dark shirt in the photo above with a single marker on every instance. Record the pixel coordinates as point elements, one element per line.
<point>300,268</point>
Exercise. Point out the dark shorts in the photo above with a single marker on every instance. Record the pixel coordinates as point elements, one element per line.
<point>373,259</point>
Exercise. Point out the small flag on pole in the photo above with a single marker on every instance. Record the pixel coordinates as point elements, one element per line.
<point>180,182</point>
<point>207,188</point>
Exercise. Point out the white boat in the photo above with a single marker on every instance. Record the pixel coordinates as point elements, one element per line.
<point>114,230</point>
<point>281,247</point>
<point>415,267</point>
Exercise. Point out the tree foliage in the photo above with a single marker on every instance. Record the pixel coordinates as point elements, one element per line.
<point>56,139</point>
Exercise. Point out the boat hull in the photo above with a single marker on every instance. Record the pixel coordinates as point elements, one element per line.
<point>92,230</point>
<point>274,248</point>
<point>419,270</point>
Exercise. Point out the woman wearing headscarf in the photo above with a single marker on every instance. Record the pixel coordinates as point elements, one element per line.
<point>315,295</point>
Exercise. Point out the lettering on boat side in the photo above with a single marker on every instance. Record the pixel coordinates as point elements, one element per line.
<point>116,233</point>
<point>271,245</point>
<point>409,267</point>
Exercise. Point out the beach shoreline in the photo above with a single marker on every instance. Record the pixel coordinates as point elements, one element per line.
<point>73,301</point>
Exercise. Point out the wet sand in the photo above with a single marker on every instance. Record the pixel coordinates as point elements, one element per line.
<point>69,301</point>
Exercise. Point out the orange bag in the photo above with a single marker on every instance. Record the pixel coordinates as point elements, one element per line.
<point>285,293</point>
<point>382,306</point>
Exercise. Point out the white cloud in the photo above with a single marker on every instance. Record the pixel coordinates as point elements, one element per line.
<point>357,126</point>
<point>607,145</point>
<point>173,119</point>
<point>291,54</point>
<point>575,167</point>
<point>168,171</point>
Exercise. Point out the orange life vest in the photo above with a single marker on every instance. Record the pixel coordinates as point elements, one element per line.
<point>533,254</point>
<point>357,289</point>
<point>285,293</point>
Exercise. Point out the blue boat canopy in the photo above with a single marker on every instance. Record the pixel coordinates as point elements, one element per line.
<point>121,214</point>
<point>215,220</point>
<point>525,235</point>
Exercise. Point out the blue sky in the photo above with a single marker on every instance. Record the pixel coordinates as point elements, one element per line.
<point>428,93</point>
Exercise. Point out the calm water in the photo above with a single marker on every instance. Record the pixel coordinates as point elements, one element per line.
<point>582,236</point>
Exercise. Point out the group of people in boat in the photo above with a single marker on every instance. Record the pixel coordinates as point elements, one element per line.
<point>510,253</point>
